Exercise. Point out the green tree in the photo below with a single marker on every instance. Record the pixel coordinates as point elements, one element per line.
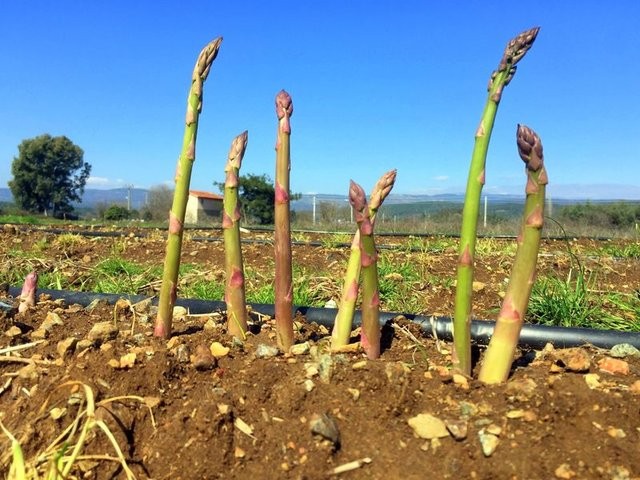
<point>257,198</point>
<point>48,174</point>
<point>158,204</point>
<point>117,212</point>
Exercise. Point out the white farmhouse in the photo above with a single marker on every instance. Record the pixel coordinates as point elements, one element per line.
<point>203,207</point>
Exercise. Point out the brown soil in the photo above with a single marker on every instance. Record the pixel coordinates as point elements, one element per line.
<point>561,415</point>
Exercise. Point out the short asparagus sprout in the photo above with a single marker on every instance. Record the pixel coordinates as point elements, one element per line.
<point>514,52</point>
<point>168,290</point>
<point>503,343</point>
<point>28,293</point>
<point>346,310</point>
<point>282,234</point>
<point>370,330</point>
<point>234,268</point>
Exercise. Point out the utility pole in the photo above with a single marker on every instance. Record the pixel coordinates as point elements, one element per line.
<point>484,223</point>
<point>129,187</point>
<point>314,209</point>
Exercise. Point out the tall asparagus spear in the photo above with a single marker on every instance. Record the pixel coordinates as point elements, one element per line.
<point>282,240</point>
<point>234,291</point>
<point>499,355</point>
<point>370,330</point>
<point>515,50</point>
<point>346,310</point>
<point>168,290</point>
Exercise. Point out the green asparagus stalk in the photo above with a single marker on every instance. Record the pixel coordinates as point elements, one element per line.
<point>515,50</point>
<point>370,330</point>
<point>28,293</point>
<point>501,350</point>
<point>344,318</point>
<point>168,290</point>
<point>234,291</point>
<point>282,235</point>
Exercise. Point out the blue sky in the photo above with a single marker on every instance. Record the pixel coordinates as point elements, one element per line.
<point>375,85</point>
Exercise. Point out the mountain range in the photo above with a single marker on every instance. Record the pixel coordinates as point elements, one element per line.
<point>94,196</point>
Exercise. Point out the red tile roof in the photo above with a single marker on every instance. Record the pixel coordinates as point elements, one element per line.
<point>202,194</point>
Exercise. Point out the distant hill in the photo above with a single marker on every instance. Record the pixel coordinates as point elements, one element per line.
<point>419,203</point>
<point>94,196</point>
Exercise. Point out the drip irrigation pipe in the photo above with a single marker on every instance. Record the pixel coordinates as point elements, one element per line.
<point>532,336</point>
<point>98,233</point>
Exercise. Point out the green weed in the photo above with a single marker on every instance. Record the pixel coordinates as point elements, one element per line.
<point>574,303</point>
<point>336,240</point>
<point>563,303</point>
<point>631,250</point>
<point>115,275</point>
<point>396,282</point>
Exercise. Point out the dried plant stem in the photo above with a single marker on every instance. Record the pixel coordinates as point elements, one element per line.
<point>234,268</point>
<point>344,318</point>
<point>501,77</point>
<point>502,347</point>
<point>168,290</point>
<point>282,235</point>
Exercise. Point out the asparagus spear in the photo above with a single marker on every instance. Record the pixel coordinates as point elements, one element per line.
<point>515,50</point>
<point>282,234</point>
<point>370,330</point>
<point>499,355</point>
<point>28,293</point>
<point>344,317</point>
<point>234,291</point>
<point>168,290</point>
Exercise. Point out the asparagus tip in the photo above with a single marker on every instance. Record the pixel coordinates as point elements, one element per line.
<point>513,53</point>
<point>357,197</point>
<point>382,188</point>
<point>529,148</point>
<point>284,104</point>
<point>236,152</point>
<point>519,46</point>
<point>28,293</point>
<point>206,58</point>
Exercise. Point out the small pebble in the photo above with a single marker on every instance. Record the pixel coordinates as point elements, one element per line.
<point>102,332</point>
<point>13,331</point>
<point>203,360</point>
<point>488,441</point>
<point>66,346</point>
<point>218,350</point>
<point>266,351</point>
<point>457,428</point>
<point>182,353</point>
<point>362,364</point>
<point>427,426</point>
<point>616,432</point>
<point>326,427</point>
<point>565,472</point>
<point>461,381</point>
<point>300,348</point>
<point>574,359</point>
<point>623,350</point>
<point>613,366</point>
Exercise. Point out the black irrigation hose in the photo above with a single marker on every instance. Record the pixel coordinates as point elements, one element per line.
<point>532,336</point>
<point>93,233</point>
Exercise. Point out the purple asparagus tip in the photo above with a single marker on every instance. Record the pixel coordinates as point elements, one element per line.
<point>28,293</point>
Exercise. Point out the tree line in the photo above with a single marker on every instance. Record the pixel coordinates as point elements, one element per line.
<point>50,174</point>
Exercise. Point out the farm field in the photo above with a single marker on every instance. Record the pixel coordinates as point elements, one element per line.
<point>176,411</point>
